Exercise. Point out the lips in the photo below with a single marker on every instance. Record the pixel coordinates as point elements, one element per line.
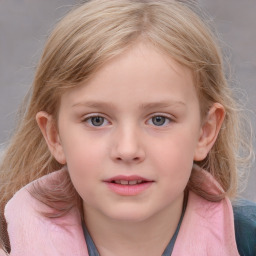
<point>128,185</point>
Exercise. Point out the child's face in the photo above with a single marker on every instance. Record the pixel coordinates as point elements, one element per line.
<point>137,119</point>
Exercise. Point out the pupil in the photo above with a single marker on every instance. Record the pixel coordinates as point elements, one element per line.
<point>97,120</point>
<point>158,120</point>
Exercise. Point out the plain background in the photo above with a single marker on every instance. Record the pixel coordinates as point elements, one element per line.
<point>25,25</point>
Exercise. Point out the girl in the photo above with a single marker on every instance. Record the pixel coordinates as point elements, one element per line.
<point>129,141</point>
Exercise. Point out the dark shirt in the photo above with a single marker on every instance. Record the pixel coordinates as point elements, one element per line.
<point>245,227</point>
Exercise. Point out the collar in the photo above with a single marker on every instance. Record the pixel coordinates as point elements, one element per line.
<point>32,234</point>
<point>207,227</point>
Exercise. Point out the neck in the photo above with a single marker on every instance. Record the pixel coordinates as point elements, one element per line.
<point>147,237</point>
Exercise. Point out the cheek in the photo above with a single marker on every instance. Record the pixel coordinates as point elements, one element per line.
<point>176,149</point>
<point>81,159</point>
<point>84,162</point>
<point>174,155</point>
<point>82,149</point>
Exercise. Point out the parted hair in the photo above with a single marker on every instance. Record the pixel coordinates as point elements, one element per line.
<point>81,43</point>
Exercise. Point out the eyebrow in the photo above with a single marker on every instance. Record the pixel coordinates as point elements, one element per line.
<point>161,104</point>
<point>94,104</point>
<point>148,105</point>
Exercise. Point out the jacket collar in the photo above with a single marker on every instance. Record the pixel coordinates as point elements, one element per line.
<point>32,234</point>
<point>207,227</point>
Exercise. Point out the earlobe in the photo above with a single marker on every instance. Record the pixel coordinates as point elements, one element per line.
<point>209,131</point>
<point>51,135</point>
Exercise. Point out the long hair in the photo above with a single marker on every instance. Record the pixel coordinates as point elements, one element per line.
<point>81,44</point>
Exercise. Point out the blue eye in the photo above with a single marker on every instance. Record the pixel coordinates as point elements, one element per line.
<point>160,120</point>
<point>96,121</point>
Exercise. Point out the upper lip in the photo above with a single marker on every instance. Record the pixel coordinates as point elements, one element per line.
<point>127,178</point>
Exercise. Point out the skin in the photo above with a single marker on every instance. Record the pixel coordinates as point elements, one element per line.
<point>128,93</point>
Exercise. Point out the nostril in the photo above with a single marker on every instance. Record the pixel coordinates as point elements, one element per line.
<point>129,156</point>
<point>136,159</point>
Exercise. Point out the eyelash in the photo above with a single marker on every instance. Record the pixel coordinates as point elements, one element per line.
<point>90,118</point>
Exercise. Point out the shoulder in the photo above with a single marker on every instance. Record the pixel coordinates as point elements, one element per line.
<point>245,227</point>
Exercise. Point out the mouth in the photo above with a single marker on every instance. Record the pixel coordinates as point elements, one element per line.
<point>128,185</point>
<point>128,182</point>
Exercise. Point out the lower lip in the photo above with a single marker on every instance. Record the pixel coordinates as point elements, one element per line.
<point>128,190</point>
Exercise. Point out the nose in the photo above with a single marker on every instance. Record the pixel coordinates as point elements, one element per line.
<point>127,146</point>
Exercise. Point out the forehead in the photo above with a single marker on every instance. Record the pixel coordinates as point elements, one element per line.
<point>140,73</point>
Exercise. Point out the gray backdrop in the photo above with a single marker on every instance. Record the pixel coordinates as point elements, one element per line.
<point>25,24</point>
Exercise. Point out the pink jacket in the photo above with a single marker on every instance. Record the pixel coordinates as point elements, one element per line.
<point>207,228</point>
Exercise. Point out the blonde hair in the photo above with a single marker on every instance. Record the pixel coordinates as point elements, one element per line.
<point>84,41</point>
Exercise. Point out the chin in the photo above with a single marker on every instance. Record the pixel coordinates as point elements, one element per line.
<point>132,216</point>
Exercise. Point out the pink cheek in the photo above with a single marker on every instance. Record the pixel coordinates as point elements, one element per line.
<point>85,158</point>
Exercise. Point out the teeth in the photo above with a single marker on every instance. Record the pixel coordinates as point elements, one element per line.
<point>132,182</point>
<point>126,182</point>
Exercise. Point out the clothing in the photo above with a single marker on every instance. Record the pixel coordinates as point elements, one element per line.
<point>245,227</point>
<point>207,227</point>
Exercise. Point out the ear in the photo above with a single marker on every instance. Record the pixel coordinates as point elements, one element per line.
<point>49,130</point>
<point>209,131</point>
